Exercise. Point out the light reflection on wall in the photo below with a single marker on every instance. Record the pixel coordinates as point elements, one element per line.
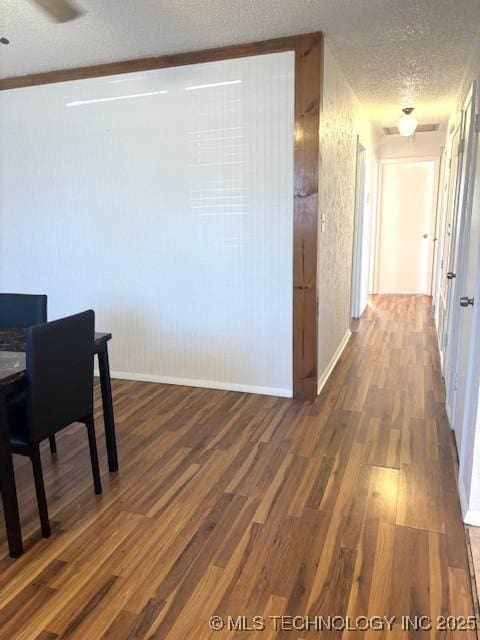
<point>217,186</point>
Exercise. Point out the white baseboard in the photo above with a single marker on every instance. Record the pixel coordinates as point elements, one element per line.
<point>440,353</point>
<point>470,516</point>
<point>329,368</point>
<point>205,384</point>
<point>402,293</point>
<point>448,411</point>
<point>357,316</point>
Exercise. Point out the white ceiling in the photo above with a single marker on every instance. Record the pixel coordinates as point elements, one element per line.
<point>394,52</point>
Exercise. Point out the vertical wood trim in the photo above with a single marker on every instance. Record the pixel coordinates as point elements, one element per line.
<point>308,50</point>
<point>308,84</point>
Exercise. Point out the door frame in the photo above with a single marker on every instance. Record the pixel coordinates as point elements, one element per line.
<point>451,189</point>
<point>374,213</point>
<point>358,230</point>
<point>439,229</point>
<point>431,235</point>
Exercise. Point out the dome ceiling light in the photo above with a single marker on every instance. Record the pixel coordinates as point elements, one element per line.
<point>407,123</point>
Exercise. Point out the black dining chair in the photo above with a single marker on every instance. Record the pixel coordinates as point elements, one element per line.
<point>59,391</point>
<point>20,310</point>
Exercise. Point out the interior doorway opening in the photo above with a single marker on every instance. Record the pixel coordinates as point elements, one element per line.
<point>359,288</point>
<point>404,260</point>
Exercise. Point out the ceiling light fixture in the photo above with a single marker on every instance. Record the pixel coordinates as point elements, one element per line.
<point>407,123</point>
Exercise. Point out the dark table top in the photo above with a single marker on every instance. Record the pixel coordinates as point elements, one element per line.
<point>12,353</point>
<point>12,366</point>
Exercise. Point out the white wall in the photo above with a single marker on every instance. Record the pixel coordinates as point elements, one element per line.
<point>421,145</point>
<point>168,210</point>
<point>342,120</point>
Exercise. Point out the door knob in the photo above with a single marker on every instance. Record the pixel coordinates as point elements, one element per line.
<point>425,236</point>
<point>451,275</point>
<point>465,301</point>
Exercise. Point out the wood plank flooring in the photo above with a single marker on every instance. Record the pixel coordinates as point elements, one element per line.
<point>473,549</point>
<point>244,505</point>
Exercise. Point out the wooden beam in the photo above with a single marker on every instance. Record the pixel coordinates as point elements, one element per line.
<point>308,49</point>
<point>155,62</point>
<point>308,86</point>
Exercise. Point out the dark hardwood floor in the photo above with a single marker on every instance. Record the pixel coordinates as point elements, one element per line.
<point>236,504</point>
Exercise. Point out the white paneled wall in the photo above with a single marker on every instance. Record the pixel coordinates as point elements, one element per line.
<point>163,200</point>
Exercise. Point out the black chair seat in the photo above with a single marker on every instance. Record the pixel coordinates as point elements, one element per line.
<point>18,420</point>
<point>19,447</point>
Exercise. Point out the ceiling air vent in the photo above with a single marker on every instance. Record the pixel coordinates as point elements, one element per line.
<point>421,128</point>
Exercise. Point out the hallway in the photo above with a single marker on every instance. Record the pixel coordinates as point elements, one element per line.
<point>255,505</point>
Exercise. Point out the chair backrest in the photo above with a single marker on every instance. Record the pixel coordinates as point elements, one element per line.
<point>22,310</point>
<point>59,373</point>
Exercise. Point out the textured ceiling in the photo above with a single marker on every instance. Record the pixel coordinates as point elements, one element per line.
<point>394,52</point>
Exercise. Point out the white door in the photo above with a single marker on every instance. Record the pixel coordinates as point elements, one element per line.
<point>458,236</point>
<point>451,203</point>
<point>407,203</point>
<point>466,283</point>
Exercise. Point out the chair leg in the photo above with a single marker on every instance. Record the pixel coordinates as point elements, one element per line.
<point>53,444</point>
<point>40,490</point>
<point>97,483</point>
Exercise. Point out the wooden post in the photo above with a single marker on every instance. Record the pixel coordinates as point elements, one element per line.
<point>308,86</point>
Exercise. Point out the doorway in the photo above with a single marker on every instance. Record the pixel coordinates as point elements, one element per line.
<point>463,265</point>
<point>405,255</point>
